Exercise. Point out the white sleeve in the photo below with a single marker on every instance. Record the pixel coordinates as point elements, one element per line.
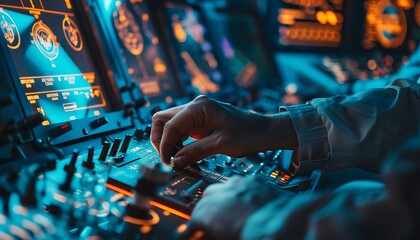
<point>356,130</point>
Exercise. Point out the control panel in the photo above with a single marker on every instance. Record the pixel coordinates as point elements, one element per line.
<point>120,190</point>
<point>81,81</point>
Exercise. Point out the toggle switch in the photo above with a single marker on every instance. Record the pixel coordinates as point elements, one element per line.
<point>89,164</point>
<point>115,147</point>
<point>126,143</point>
<point>104,152</point>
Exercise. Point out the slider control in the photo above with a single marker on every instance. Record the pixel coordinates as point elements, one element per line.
<point>65,187</point>
<point>104,152</point>
<point>71,167</point>
<point>115,147</point>
<point>89,162</point>
<point>126,143</point>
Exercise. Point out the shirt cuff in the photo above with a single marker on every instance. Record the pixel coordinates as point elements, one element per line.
<point>313,149</point>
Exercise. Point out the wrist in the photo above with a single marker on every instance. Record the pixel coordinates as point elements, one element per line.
<point>279,132</point>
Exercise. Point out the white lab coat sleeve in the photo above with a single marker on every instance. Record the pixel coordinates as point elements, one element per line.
<point>357,130</point>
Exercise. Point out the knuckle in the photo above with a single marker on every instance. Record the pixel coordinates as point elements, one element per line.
<point>201,98</point>
<point>157,117</point>
<point>170,127</point>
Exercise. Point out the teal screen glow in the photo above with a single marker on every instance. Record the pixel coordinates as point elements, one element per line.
<point>52,60</point>
<point>133,32</point>
<point>194,48</point>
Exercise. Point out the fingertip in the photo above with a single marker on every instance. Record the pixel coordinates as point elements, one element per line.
<point>179,162</point>
<point>182,161</point>
<point>165,158</point>
<point>164,161</point>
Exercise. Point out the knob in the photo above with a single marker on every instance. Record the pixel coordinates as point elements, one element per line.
<point>138,134</point>
<point>104,152</point>
<point>228,161</point>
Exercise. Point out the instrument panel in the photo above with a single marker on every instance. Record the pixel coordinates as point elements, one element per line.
<point>309,23</point>
<point>129,25</point>
<point>339,24</point>
<point>56,74</point>
<point>195,51</point>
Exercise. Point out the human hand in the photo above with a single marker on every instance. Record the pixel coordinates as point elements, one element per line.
<point>219,128</point>
<point>225,207</point>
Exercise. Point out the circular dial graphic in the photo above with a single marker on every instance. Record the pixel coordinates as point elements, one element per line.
<point>391,27</point>
<point>10,30</point>
<point>128,30</point>
<point>45,40</point>
<point>72,34</point>
<point>417,14</point>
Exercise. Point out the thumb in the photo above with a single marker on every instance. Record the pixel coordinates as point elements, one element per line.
<point>196,151</point>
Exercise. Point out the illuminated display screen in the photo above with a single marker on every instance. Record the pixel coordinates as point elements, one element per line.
<point>194,48</point>
<point>241,47</point>
<point>314,23</point>
<point>52,60</point>
<point>386,23</point>
<point>139,45</point>
<point>338,23</point>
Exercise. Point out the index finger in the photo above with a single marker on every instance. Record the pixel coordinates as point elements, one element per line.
<point>176,128</point>
<point>159,120</point>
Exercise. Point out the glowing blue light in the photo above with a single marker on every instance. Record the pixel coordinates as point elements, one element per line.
<point>23,21</point>
<point>63,64</point>
<point>107,4</point>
